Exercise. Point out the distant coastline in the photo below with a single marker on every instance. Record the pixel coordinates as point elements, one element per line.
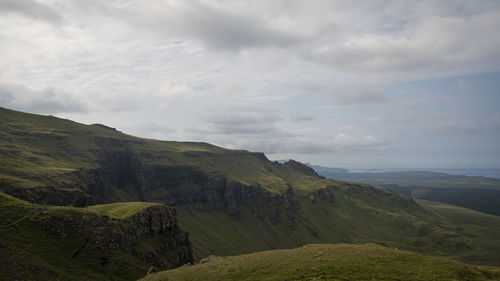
<point>473,172</point>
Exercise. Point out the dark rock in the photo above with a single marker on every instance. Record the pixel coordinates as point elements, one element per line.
<point>325,195</point>
<point>50,195</point>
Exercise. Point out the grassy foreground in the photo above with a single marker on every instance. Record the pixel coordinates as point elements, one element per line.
<point>330,262</point>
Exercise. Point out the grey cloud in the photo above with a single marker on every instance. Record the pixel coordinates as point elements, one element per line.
<point>431,46</point>
<point>47,101</point>
<point>243,121</point>
<point>453,126</point>
<point>149,130</point>
<point>222,29</point>
<point>306,144</point>
<point>301,118</point>
<point>357,96</point>
<point>260,130</point>
<point>31,9</point>
<point>343,93</point>
<point>216,26</point>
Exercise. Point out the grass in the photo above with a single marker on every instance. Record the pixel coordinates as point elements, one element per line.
<point>481,231</point>
<point>123,209</point>
<point>329,262</point>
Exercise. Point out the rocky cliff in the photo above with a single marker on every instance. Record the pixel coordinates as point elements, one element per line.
<point>129,235</point>
<point>48,243</point>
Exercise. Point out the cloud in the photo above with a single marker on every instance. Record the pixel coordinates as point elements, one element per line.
<point>48,100</point>
<point>453,126</point>
<point>149,130</point>
<point>259,129</point>
<point>313,144</point>
<point>431,45</point>
<point>342,89</point>
<point>220,26</point>
<point>31,9</point>
<point>221,29</point>
<point>243,120</point>
<point>234,73</point>
<point>170,90</point>
<point>297,118</point>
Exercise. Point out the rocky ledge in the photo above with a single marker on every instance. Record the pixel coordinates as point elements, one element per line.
<point>151,235</point>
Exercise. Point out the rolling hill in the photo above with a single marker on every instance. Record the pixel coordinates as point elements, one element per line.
<point>329,262</point>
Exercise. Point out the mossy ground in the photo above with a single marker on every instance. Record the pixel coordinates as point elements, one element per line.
<point>329,262</point>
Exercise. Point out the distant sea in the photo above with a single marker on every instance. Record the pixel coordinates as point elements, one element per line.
<point>488,173</point>
<point>475,172</point>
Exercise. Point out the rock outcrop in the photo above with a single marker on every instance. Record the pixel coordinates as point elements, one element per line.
<point>151,235</point>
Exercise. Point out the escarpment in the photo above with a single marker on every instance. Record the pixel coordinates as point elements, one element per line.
<point>121,241</point>
<point>152,235</point>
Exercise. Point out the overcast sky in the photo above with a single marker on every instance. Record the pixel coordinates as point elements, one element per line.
<point>337,83</point>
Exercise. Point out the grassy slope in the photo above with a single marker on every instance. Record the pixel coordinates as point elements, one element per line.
<point>329,262</point>
<point>30,252</point>
<point>38,150</point>
<point>479,229</point>
<point>121,210</point>
<point>387,219</point>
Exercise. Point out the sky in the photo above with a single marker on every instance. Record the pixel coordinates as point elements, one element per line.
<point>334,83</point>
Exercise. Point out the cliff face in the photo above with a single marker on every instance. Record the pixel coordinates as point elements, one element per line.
<point>179,185</point>
<point>158,224</point>
<point>67,243</point>
<point>50,195</point>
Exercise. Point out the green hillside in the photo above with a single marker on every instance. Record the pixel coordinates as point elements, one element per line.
<point>357,215</point>
<point>40,152</point>
<point>66,243</point>
<point>329,262</point>
<point>121,210</point>
<point>474,192</point>
<point>230,201</point>
<point>479,229</point>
